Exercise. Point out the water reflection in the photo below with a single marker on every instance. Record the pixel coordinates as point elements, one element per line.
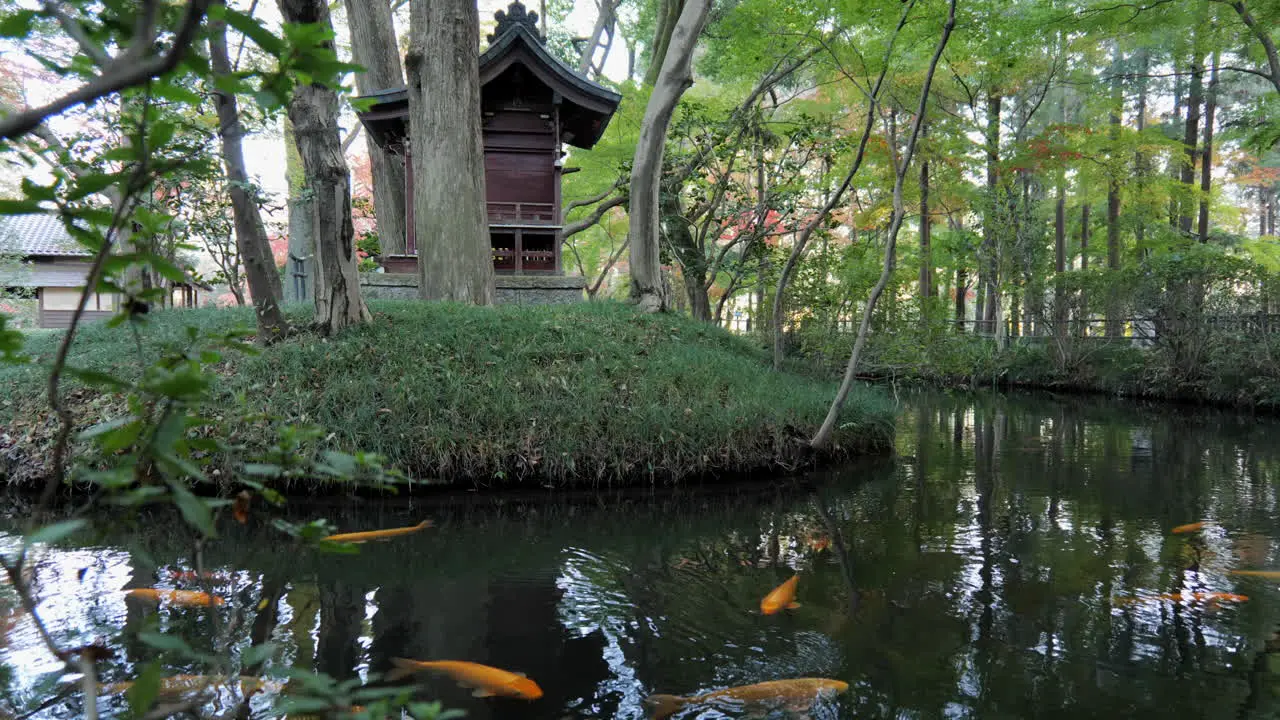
<point>1014,561</point>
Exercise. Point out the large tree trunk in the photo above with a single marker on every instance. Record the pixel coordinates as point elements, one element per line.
<point>1190,138</point>
<point>1140,166</point>
<point>455,258</point>
<point>1206,163</point>
<point>314,113</point>
<point>373,45</point>
<point>251,234</point>
<point>647,290</point>
<point>989,265</point>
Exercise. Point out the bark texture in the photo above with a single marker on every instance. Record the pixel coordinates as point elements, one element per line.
<point>1206,163</point>
<point>314,114</point>
<point>455,259</point>
<point>251,234</point>
<point>647,289</point>
<point>373,45</point>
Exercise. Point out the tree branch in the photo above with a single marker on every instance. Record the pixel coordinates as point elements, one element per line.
<point>1264,37</point>
<point>574,228</point>
<point>123,72</point>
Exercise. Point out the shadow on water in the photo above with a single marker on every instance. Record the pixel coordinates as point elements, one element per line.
<point>1014,561</point>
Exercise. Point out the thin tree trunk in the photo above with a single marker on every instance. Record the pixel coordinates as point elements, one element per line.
<point>669,12</point>
<point>1206,162</point>
<point>1114,325</point>
<point>1190,138</point>
<point>797,250</point>
<point>605,23</point>
<point>455,256</point>
<point>314,113</point>
<point>647,289</point>
<point>926,232</point>
<point>989,267</point>
<point>1175,164</point>
<point>961,290</point>
<point>251,234</point>
<point>1140,166</point>
<point>373,45</point>
<point>1085,221</point>
<point>823,437</point>
<point>1060,262</point>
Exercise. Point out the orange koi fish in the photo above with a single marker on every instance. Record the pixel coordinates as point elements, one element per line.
<point>484,680</point>
<point>782,597</point>
<point>765,695</point>
<point>187,684</point>
<point>359,537</point>
<point>174,597</point>
<point>1188,528</point>
<point>1268,574</point>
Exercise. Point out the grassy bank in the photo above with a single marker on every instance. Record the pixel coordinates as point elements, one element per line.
<point>1219,369</point>
<point>570,395</point>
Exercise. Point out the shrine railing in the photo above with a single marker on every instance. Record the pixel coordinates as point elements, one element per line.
<point>522,212</point>
<point>507,260</point>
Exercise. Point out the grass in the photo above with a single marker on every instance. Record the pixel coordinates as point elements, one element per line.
<point>577,395</point>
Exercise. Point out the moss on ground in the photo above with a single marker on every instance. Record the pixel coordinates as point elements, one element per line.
<point>568,395</point>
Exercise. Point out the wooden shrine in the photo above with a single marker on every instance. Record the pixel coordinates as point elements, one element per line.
<point>531,103</point>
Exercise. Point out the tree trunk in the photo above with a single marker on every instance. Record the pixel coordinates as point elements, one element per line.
<point>251,234</point>
<point>989,265</point>
<point>1060,263</point>
<point>300,266</point>
<point>926,232</point>
<point>606,23</point>
<point>961,290</point>
<point>1085,221</point>
<point>373,45</point>
<point>455,257</point>
<point>822,438</point>
<point>1175,164</point>
<point>1189,139</point>
<point>669,13</point>
<point>675,77</point>
<point>314,113</point>
<point>1206,162</point>
<point>1140,166</point>
<point>1114,324</point>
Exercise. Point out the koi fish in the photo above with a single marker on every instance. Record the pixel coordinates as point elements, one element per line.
<point>174,597</point>
<point>1214,597</point>
<point>187,684</point>
<point>484,680</point>
<point>782,597</point>
<point>359,537</point>
<point>1188,528</point>
<point>770,694</point>
<point>1268,574</point>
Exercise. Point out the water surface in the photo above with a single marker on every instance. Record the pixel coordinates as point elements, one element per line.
<point>1014,561</point>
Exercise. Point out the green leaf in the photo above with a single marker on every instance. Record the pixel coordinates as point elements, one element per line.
<point>145,689</point>
<point>261,37</point>
<point>160,641</point>
<point>193,509</point>
<point>95,378</point>
<point>19,207</point>
<point>162,134</point>
<point>165,267</point>
<point>91,183</point>
<point>52,533</point>
<point>257,653</point>
<point>18,24</point>
<point>263,469</point>
<point>103,428</point>
<point>175,93</point>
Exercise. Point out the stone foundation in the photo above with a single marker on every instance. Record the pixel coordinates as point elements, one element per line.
<point>511,289</point>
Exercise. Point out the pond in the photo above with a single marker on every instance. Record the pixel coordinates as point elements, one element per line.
<point>1015,560</point>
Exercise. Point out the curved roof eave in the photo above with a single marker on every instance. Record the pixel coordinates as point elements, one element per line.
<point>555,73</point>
